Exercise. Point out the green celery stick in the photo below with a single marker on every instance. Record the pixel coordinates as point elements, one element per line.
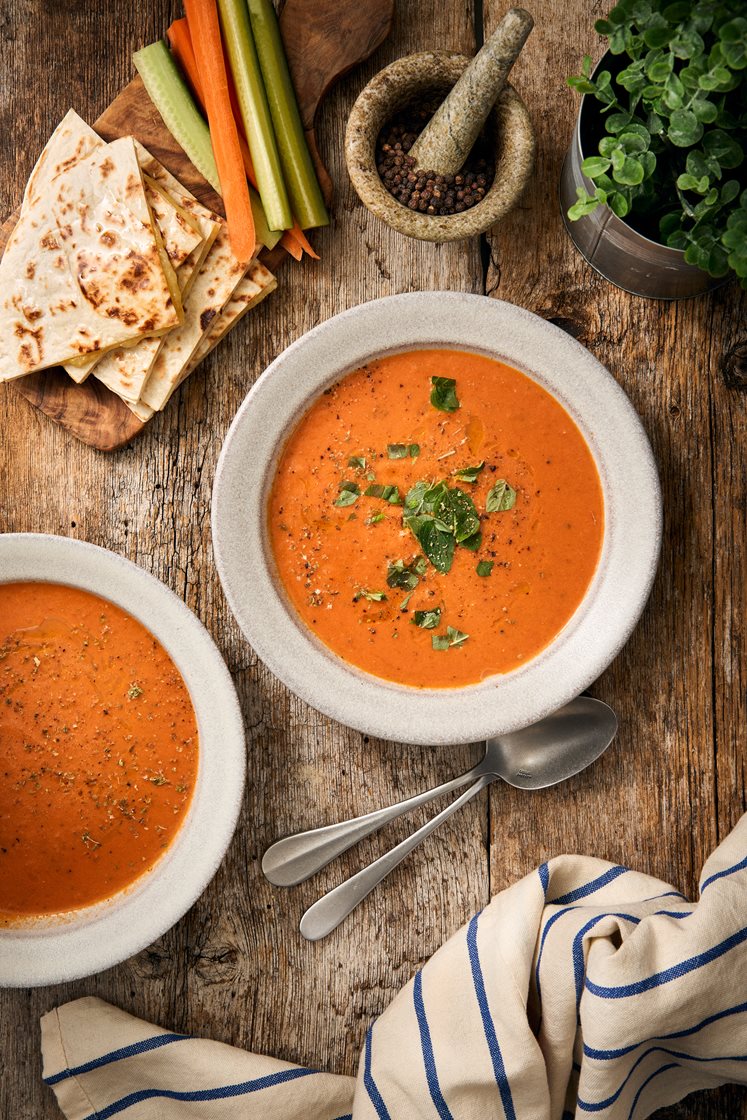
<point>255,112</point>
<point>300,178</point>
<point>169,93</point>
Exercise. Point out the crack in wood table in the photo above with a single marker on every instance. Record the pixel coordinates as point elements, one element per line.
<point>675,780</point>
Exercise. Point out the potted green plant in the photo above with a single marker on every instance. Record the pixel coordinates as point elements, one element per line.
<point>654,186</point>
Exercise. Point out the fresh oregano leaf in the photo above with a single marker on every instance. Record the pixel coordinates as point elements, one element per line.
<point>427,620</point>
<point>443,394</point>
<point>349,493</point>
<point>501,497</point>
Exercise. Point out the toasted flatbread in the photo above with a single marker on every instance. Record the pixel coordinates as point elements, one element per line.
<point>125,369</point>
<point>250,290</point>
<point>213,287</point>
<point>70,142</point>
<point>82,271</point>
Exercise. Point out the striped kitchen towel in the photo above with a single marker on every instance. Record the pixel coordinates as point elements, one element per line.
<point>585,990</point>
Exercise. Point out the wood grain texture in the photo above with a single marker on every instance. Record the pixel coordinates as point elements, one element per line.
<point>235,967</point>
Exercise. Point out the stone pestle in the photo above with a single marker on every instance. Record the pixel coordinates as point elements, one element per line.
<point>448,138</point>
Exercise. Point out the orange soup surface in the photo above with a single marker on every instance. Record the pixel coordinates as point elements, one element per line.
<point>99,751</point>
<point>436,533</point>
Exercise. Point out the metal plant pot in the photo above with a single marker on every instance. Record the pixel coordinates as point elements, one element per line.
<point>619,253</point>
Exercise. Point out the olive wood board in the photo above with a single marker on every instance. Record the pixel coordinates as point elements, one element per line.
<point>343,36</point>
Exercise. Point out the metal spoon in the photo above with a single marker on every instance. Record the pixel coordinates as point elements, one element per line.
<point>548,752</point>
<point>542,755</point>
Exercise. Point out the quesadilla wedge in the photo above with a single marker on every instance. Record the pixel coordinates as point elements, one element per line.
<point>250,290</point>
<point>82,270</point>
<point>125,369</point>
<point>213,287</point>
<point>177,240</point>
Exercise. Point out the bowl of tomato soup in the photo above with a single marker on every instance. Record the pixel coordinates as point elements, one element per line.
<point>437,517</point>
<point>123,759</point>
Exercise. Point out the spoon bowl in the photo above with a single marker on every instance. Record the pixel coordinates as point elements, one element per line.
<point>556,748</point>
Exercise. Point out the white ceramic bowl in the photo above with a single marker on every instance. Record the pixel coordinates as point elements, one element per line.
<point>616,595</point>
<point>58,948</point>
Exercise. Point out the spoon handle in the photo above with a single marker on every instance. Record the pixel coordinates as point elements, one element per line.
<point>296,858</point>
<point>327,913</point>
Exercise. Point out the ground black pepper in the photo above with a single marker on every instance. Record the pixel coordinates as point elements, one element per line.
<point>426,191</point>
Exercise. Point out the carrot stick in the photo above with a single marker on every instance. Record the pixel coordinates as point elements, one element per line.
<point>298,235</point>
<point>182,50</point>
<point>181,47</point>
<point>291,246</point>
<point>204,33</point>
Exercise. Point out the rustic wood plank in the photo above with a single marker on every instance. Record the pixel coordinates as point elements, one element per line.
<point>673,783</point>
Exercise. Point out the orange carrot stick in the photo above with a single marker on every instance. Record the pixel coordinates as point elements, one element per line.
<point>291,246</point>
<point>204,33</point>
<point>181,47</point>
<point>299,238</point>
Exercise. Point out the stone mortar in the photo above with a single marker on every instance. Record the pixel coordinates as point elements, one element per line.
<point>406,81</point>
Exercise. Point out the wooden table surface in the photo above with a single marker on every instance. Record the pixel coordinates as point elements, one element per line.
<point>674,782</point>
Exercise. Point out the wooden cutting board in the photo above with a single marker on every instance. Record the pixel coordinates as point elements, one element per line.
<point>324,39</point>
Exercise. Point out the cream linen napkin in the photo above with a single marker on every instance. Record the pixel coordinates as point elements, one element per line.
<point>584,990</point>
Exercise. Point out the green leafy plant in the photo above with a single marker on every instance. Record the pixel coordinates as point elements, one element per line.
<point>672,160</point>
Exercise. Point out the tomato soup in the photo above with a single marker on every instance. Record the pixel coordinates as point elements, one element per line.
<point>99,751</point>
<point>436,518</point>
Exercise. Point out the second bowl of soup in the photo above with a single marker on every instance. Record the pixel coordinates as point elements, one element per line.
<point>436,517</point>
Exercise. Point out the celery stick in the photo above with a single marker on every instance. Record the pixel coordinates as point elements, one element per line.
<point>265,236</point>
<point>255,112</point>
<point>169,93</point>
<point>298,168</point>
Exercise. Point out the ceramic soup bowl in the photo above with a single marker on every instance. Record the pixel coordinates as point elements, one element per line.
<point>613,601</point>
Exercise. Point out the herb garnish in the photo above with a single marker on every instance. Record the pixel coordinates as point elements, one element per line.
<point>404,575</point>
<point>501,497</point>
<point>372,596</point>
<point>440,518</point>
<point>387,493</point>
<point>443,394</point>
<point>358,462</point>
<point>134,691</point>
<point>469,474</point>
<point>485,567</point>
<point>405,601</point>
<point>403,450</point>
<point>452,637</point>
<point>427,620</point>
<point>349,493</point>
<point>375,518</point>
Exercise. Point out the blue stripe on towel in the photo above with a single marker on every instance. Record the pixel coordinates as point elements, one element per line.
<point>499,1069</point>
<point>544,875</point>
<point>656,1073</point>
<point>371,1087</point>
<point>692,964</point>
<point>548,926</point>
<point>610,1055</point>
<point>722,874</point>
<point>429,1061</point>
<point>221,1093</point>
<point>589,888</point>
<point>577,951</point>
<point>553,917</point>
<point>116,1056</point>
<point>599,1106</point>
